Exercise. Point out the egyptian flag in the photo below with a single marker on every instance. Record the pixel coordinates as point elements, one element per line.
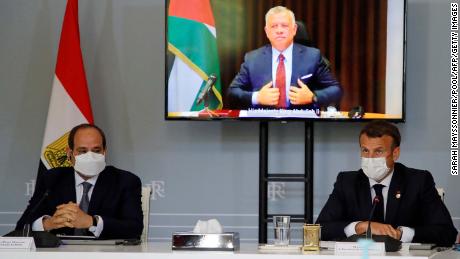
<point>192,47</point>
<point>69,104</point>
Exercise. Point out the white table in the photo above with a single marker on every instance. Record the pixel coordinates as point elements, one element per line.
<point>163,250</point>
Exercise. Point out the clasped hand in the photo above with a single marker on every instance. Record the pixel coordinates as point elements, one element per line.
<point>68,215</point>
<point>378,229</point>
<point>301,95</point>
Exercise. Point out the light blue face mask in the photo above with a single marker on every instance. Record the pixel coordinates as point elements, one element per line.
<point>375,168</point>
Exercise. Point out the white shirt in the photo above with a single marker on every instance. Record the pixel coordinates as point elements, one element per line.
<point>407,233</point>
<point>37,225</point>
<point>287,53</point>
<point>79,186</point>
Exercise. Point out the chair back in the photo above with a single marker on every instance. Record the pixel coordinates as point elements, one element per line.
<point>145,198</point>
<point>302,36</point>
<point>441,193</point>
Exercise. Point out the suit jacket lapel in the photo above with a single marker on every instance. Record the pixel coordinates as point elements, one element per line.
<point>364,197</point>
<point>100,190</point>
<point>66,188</point>
<point>267,67</point>
<point>62,193</point>
<point>297,56</point>
<point>395,193</point>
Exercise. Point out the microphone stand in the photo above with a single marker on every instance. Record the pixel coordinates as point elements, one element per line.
<point>41,238</point>
<point>206,112</point>
<point>204,96</point>
<point>369,231</point>
<point>368,241</point>
<point>391,244</point>
<point>26,229</point>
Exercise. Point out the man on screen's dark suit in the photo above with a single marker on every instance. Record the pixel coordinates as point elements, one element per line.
<point>310,84</point>
<point>114,207</point>
<point>414,211</point>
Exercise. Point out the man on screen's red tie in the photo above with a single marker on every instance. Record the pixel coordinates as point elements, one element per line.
<point>281,82</point>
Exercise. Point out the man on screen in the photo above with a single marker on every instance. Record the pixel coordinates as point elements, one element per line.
<point>407,205</point>
<point>283,75</point>
<point>89,198</point>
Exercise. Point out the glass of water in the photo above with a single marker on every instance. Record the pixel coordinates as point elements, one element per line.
<point>282,227</point>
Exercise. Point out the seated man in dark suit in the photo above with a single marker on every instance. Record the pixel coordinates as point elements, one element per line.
<point>283,75</point>
<point>89,198</point>
<point>408,208</point>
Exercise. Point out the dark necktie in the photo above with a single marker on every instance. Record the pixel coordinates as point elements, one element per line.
<point>378,213</point>
<point>281,82</point>
<point>84,204</point>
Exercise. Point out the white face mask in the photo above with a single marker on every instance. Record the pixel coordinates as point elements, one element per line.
<point>90,164</point>
<point>375,168</point>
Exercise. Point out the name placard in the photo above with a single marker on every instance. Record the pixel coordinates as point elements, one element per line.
<point>375,248</point>
<point>17,243</point>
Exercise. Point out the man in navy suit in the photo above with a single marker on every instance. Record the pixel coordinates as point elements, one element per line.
<point>283,75</point>
<point>407,205</point>
<point>89,198</point>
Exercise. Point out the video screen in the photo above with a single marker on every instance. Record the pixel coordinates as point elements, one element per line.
<point>340,60</point>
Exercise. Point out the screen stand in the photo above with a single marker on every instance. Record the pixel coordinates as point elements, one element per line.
<point>265,178</point>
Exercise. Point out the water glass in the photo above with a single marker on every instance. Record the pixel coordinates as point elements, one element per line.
<point>282,228</point>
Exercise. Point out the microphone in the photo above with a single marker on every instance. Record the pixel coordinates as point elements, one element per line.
<point>209,83</point>
<point>26,228</point>
<point>374,204</point>
<point>41,238</point>
<point>391,244</point>
<point>356,112</point>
